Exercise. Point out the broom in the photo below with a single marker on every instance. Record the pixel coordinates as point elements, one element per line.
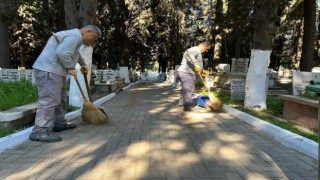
<point>90,113</point>
<point>215,103</point>
<point>89,92</point>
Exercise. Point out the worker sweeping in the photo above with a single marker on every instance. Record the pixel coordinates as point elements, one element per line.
<point>58,58</point>
<point>186,73</point>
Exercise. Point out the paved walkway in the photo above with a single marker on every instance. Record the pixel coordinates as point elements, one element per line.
<point>149,137</point>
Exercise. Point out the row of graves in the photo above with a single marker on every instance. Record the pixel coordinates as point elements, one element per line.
<point>299,109</point>
<point>109,80</point>
<point>231,80</point>
<point>12,75</point>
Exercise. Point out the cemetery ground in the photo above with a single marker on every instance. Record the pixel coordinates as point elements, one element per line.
<point>23,93</point>
<point>150,137</point>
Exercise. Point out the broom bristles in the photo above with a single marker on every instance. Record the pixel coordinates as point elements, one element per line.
<point>215,102</point>
<point>92,115</point>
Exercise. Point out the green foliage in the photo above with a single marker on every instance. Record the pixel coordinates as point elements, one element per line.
<point>274,106</point>
<point>4,132</point>
<point>71,108</point>
<point>309,95</point>
<point>16,94</point>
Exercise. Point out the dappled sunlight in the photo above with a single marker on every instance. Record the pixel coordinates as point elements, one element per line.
<point>172,127</point>
<point>228,137</point>
<point>228,153</point>
<point>188,158</point>
<point>208,150</point>
<point>157,110</point>
<point>177,145</point>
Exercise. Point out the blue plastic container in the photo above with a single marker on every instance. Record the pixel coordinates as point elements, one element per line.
<point>201,101</point>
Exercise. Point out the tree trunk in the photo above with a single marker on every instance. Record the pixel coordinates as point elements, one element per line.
<point>238,45</point>
<point>297,44</point>
<point>318,44</point>
<point>181,33</point>
<point>307,55</point>
<point>72,14</point>
<point>4,45</point>
<point>265,12</point>
<point>87,11</point>
<point>218,37</point>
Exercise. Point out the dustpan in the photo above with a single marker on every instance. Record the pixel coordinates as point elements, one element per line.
<point>202,101</point>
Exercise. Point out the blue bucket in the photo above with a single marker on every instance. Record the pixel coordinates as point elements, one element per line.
<point>201,101</point>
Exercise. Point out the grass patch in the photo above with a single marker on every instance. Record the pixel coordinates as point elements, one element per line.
<point>15,94</point>
<point>71,108</point>
<point>4,132</point>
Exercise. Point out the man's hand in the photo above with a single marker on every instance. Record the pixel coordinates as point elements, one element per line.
<point>205,72</point>
<point>197,68</point>
<point>72,72</point>
<point>84,69</point>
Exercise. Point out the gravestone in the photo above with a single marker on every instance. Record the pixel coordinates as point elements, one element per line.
<point>224,68</point>
<point>98,73</point>
<point>10,75</point>
<point>273,77</point>
<point>239,66</point>
<point>29,75</point>
<point>237,87</point>
<point>109,76</point>
<point>302,79</point>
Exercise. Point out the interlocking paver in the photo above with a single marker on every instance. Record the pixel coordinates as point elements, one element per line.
<point>149,137</point>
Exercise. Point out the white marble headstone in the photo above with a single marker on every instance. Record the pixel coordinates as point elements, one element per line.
<point>302,79</point>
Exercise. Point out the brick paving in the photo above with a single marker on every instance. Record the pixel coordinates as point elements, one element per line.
<point>149,137</point>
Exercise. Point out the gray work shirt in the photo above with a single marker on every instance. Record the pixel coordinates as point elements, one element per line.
<point>58,58</point>
<point>186,64</point>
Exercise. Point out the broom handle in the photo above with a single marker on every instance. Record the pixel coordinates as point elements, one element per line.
<point>87,86</point>
<point>194,64</point>
<point>76,78</point>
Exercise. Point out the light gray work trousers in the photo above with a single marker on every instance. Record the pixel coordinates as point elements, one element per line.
<point>187,88</point>
<point>52,100</point>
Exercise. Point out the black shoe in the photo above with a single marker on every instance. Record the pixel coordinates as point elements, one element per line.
<point>187,108</point>
<point>44,137</point>
<point>62,127</point>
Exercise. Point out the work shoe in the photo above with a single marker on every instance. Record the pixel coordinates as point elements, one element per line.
<point>44,137</point>
<point>62,127</point>
<point>187,108</point>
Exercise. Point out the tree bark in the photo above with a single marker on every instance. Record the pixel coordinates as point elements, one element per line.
<point>218,37</point>
<point>72,14</point>
<point>4,45</point>
<point>307,55</point>
<point>265,12</point>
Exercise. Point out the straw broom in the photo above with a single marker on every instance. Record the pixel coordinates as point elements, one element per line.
<point>89,93</point>
<point>90,113</point>
<point>215,103</point>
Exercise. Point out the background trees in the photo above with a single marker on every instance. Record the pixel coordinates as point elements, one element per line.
<point>138,33</point>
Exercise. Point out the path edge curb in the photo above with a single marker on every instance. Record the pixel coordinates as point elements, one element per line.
<point>295,141</point>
